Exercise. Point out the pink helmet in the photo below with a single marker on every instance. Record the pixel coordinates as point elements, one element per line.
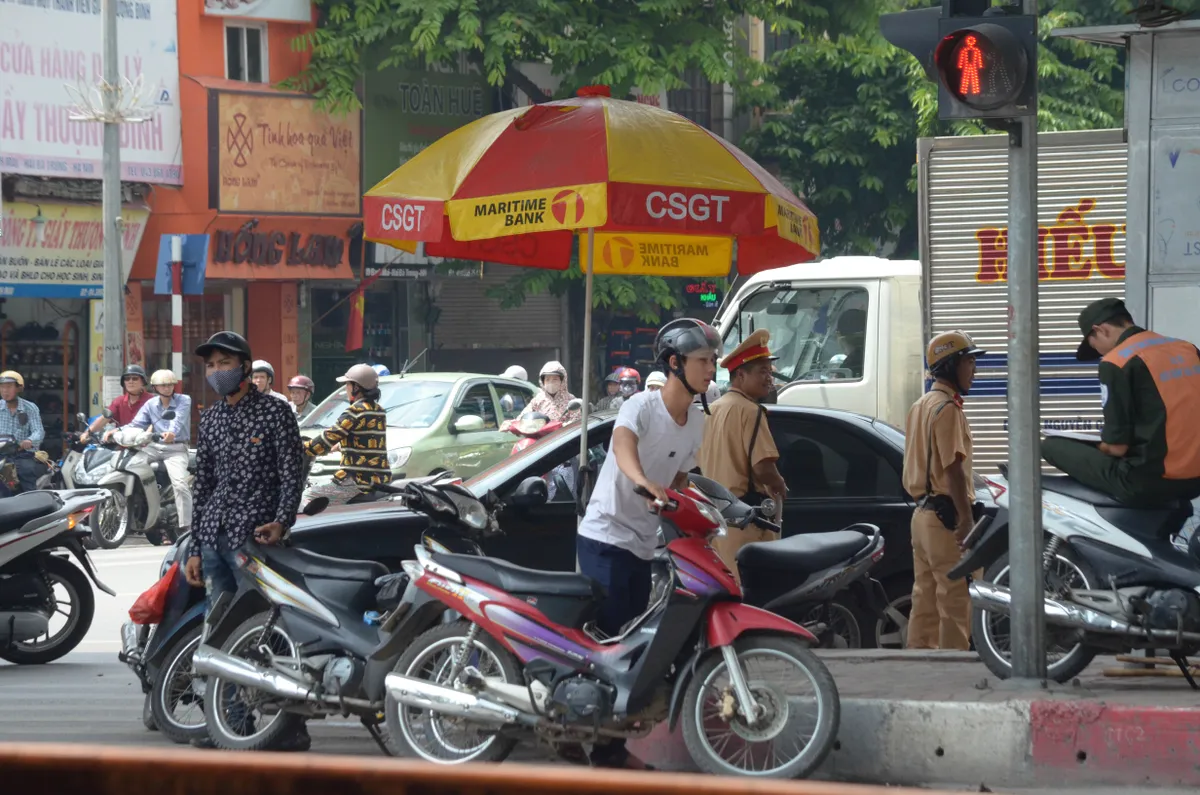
<point>302,382</point>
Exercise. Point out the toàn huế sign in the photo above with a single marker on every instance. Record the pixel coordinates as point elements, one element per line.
<point>1071,249</point>
<point>660,255</point>
<point>275,153</point>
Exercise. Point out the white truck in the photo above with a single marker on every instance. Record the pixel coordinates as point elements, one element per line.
<point>959,283</point>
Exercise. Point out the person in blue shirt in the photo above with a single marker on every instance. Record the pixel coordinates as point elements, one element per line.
<point>21,420</point>
<point>175,433</point>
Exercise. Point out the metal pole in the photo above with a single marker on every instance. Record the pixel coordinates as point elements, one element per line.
<point>1025,465</point>
<point>114,286</point>
<point>177,307</point>
<point>585,394</point>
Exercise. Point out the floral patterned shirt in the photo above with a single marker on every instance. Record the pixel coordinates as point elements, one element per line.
<point>249,466</point>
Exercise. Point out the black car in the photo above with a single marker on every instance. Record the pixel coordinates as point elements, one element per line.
<point>840,468</point>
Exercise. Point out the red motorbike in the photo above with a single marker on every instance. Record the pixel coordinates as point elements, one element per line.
<point>531,428</point>
<point>526,661</point>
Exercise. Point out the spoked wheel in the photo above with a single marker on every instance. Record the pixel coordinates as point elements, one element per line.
<point>1065,658</point>
<point>110,522</point>
<point>73,606</point>
<point>177,698</point>
<point>891,629</point>
<point>842,630</point>
<point>438,656</point>
<point>243,718</point>
<point>796,703</point>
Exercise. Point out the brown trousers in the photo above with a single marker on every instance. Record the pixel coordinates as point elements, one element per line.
<point>941,607</point>
<point>727,546</point>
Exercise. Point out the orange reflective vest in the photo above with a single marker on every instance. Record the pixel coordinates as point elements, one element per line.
<point>1175,368</point>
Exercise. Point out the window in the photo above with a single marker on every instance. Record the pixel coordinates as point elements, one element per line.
<point>477,402</point>
<point>825,461</point>
<point>246,53</point>
<point>518,399</point>
<point>819,334</point>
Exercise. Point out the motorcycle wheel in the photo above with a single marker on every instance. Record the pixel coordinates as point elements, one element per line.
<point>82,602</point>
<point>229,708</point>
<point>844,630</point>
<point>426,735</point>
<point>990,631</point>
<point>743,750</point>
<point>177,697</point>
<point>110,524</point>
<point>148,715</point>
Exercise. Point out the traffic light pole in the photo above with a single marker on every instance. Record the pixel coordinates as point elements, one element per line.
<point>1025,465</point>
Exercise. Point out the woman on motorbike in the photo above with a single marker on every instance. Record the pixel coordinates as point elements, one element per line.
<point>361,432</point>
<point>553,398</point>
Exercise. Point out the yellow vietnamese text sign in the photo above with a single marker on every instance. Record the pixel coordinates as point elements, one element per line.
<point>549,210</point>
<point>659,255</point>
<point>794,224</point>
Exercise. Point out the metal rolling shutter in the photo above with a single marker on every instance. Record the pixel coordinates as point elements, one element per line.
<point>472,319</point>
<point>964,185</point>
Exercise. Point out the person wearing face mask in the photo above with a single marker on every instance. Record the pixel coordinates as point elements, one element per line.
<point>552,399</point>
<point>22,420</point>
<point>629,381</point>
<point>361,433</point>
<point>262,374</point>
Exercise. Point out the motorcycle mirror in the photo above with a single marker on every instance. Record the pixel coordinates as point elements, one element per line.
<point>529,493</point>
<point>108,415</point>
<point>767,507</point>
<point>169,414</point>
<point>575,405</point>
<point>81,418</point>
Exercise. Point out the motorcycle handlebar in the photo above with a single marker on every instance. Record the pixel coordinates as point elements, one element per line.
<point>659,505</point>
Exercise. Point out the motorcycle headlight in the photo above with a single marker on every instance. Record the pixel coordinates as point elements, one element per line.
<point>470,511</point>
<point>399,456</point>
<point>711,514</point>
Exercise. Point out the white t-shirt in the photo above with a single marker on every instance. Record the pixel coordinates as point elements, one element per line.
<point>615,514</point>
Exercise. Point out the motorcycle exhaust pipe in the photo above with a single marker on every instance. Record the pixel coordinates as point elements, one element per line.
<point>420,694</point>
<point>208,661</point>
<point>998,599</point>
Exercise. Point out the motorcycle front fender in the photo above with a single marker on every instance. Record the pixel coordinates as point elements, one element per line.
<point>119,479</point>
<point>728,621</point>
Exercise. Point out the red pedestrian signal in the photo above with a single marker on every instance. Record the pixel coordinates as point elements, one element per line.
<point>984,67</point>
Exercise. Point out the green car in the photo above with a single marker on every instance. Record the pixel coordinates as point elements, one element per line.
<point>437,422</point>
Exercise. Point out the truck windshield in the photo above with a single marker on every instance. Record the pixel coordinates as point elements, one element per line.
<point>818,333</point>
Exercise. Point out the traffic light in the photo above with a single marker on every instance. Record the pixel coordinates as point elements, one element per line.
<point>983,60</point>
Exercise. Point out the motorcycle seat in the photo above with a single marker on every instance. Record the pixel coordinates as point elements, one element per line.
<point>310,564</point>
<point>15,511</point>
<point>807,553</point>
<point>518,579</point>
<point>1070,487</point>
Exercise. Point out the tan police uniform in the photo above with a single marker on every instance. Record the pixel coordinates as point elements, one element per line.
<point>936,433</point>
<point>736,439</point>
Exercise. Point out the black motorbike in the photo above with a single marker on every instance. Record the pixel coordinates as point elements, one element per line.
<point>309,636</point>
<point>819,580</point>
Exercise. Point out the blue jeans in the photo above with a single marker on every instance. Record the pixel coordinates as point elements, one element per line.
<point>219,567</point>
<point>625,577</point>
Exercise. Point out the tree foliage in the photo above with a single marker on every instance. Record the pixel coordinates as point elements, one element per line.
<point>848,107</point>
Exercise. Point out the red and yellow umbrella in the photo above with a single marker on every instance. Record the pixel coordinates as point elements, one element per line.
<point>655,193</point>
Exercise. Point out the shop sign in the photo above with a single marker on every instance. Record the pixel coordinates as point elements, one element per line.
<point>661,255</point>
<point>275,153</point>
<point>1073,249</point>
<point>69,262</point>
<point>45,46</point>
<point>280,10</point>
<point>702,294</point>
<point>274,248</point>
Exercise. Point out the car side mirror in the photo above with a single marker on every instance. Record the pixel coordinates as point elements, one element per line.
<point>468,424</point>
<point>529,493</point>
<point>575,405</point>
<point>22,418</point>
<point>169,414</point>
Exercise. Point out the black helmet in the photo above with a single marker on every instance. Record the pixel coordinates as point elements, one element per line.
<point>135,369</point>
<point>683,337</point>
<point>228,341</point>
<point>612,378</point>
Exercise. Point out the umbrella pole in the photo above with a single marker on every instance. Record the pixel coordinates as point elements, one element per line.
<point>587,349</point>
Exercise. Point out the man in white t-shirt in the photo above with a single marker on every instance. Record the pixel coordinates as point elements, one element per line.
<point>655,441</point>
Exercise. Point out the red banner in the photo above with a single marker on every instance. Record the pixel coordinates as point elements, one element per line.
<point>685,210</point>
<point>402,219</point>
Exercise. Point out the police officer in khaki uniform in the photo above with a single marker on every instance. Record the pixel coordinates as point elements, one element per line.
<point>738,451</point>
<point>937,473</point>
<point>1149,450</point>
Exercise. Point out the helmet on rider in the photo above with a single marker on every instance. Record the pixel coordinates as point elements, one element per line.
<point>547,377</point>
<point>263,375</point>
<point>131,372</point>
<point>946,352</point>
<point>164,378</point>
<point>516,371</point>
<point>12,377</point>
<point>302,382</point>
<point>362,376</point>
<point>656,381</point>
<point>684,338</point>
<point>629,380</point>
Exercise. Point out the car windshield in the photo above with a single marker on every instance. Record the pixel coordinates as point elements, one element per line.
<point>409,403</point>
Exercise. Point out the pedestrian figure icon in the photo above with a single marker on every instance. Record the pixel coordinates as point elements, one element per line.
<point>970,62</point>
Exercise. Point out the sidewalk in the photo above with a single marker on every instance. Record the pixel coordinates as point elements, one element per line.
<point>913,718</point>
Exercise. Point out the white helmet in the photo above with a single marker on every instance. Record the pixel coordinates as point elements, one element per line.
<point>163,378</point>
<point>658,378</point>
<point>517,372</point>
<point>553,368</point>
<point>263,366</point>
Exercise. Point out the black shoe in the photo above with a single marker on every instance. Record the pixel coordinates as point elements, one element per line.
<point>203,742</point>
<point>297,742</point>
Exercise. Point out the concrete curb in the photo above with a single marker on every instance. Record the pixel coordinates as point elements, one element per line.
<point>1009,743</point>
